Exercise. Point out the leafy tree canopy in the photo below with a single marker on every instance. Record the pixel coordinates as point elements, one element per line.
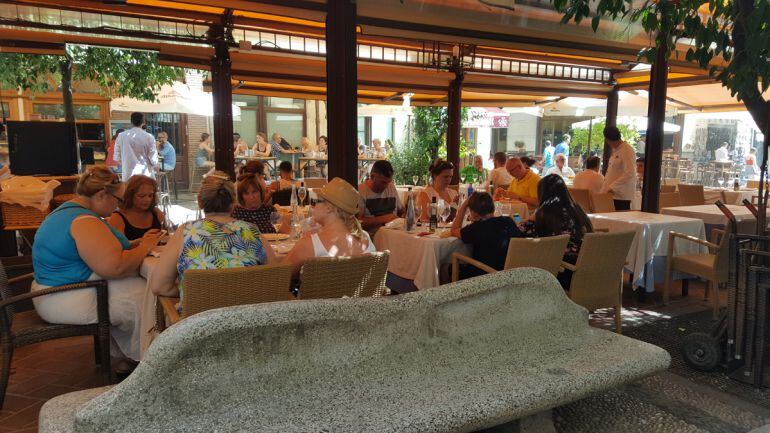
<point>628,133</point>
<point>735,33</point>
<point>118,72</point>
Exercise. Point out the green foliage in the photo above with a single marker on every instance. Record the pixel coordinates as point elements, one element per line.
<point>136,74</point>
<point>628,133</point>
<point>409,160</point>
<point>731,41</point>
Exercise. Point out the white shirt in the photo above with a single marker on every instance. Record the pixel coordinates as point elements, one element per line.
<point>722,154</point>
<point>564,172</point>
<point>590,180</point>
<point>621,172</point>
<point>136,151</point>
<point>498,177</point>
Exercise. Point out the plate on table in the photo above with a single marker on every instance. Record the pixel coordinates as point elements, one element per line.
<point>283,247</point>
<point>272,237</point>
<point>444,225</point>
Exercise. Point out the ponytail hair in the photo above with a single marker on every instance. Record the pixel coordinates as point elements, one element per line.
<point>217,193</point>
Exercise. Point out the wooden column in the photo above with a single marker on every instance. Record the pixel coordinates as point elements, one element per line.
<point>454,123</point>
<point>221,92</point>
<point>341,89</point>
<point>656,113</point>
<point>612,120</point>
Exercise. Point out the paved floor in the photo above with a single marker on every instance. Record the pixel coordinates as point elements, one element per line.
<point>676,401</point>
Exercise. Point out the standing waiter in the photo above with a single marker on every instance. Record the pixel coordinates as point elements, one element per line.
<point>620,180</point>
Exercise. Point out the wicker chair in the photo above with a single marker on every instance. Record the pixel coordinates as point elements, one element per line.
<point>335,277</point>
<point>668,199</point>
<point>582,197</point>
<point>315,182</point>
<point>207,289</point>
<point>712,266</point>
<point>691,195</point>
<point>22,328</point>
<point>603,202</point>
<point>544,253</point>
<point>597,276</point>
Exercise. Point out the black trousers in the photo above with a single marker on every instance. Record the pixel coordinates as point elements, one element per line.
<point>622,204</point>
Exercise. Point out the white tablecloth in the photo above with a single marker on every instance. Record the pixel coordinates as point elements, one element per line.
<point>732,197</point>
<point>651,238</point>
<point>417,258</point>
<point>709,213</point>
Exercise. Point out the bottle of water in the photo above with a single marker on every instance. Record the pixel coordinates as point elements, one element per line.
<point>410,214</point>
<point>470,189</point>
<point>293,201</point>
<point>737,184</point>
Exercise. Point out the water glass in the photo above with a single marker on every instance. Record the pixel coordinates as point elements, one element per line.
<point>415,179</point>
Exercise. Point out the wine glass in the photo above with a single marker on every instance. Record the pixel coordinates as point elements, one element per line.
<point>505,209</point>
<point>721,181</point>
<point>475,178</point>
<point>417,212</point>
<point>425,179</point>
<point>415,179</point>
<point>446,210</point>
<point>301,193</point>
<point>275,219</point>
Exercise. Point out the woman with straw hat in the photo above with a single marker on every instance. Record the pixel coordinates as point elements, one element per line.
<point>340,234</point>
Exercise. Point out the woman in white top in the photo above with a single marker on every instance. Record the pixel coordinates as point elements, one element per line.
<point>441,172</point>
<point>261,147</point>
<point>340,234</point>
<point>561,167</point>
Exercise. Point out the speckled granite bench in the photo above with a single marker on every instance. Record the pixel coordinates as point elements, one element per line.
<point>457,358</point>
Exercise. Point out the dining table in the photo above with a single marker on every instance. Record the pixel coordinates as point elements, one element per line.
<point>646,259</point>
<point>418,255</point>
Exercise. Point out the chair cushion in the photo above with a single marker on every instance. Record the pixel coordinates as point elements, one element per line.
<point>702,265</point>
<point>29,328</point>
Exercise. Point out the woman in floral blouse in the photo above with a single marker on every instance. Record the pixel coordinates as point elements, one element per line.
<point>559,214</point>
<point>215,242</point>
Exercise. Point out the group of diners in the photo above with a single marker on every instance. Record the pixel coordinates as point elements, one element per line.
<point>109,228</point>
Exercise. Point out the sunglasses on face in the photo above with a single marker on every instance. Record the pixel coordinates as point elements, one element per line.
<point>315,201</point>
<point>120,200</point>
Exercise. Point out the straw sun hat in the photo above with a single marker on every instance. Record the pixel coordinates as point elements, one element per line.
<point>341,194</point>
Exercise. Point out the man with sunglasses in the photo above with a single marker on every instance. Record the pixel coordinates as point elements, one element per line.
<point>379,201</point>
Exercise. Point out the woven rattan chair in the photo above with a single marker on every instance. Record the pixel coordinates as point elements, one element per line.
<point>22,328</point>
<point>581,197</point>
<point>691,195</point>
<point>315,182</point>
<point>207,289</point>
<point>544,253</point>
<point>667,189</point>
<point>712,266</point>
<point>597,276</point>
<point>668,199</point>
<point>335,277</point>
<point>603,202</point>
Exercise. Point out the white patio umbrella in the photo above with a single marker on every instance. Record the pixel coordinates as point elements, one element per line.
<point>638,122</point>
<point>176,98</point>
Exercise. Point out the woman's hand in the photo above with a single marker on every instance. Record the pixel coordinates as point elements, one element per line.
<point>151,238</point>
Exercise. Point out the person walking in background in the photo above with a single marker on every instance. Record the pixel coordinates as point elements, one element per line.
<point>110,161</point>
<point>563,147</point>
<point>723,153</point>
<point>167,152</point>
<point>135,149</point>
<point>548,155</point>
<point>620,180</point>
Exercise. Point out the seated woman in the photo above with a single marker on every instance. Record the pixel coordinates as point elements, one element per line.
<point>138,213</point>
<point>261,147</point>
<point>257,168</point>
<point>74,243</point>
<point>217,241</point>
<point>286,177</point>
<point>559,214</point>
<point>252,206</point>
<point>487,234</point>
<point>340,233</point>
<point>441,172</point>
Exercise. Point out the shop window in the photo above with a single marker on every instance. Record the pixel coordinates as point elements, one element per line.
<point>56,111</point>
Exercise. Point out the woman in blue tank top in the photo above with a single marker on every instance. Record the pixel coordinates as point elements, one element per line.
<point>75,244</point>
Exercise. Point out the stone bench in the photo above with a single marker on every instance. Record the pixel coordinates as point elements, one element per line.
<point>458,358</point>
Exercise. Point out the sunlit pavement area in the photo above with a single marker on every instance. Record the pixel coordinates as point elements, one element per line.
<point>678,400</point>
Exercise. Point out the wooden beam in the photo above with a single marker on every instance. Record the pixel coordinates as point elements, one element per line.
<point>391,96</point>
<point>341,89</point>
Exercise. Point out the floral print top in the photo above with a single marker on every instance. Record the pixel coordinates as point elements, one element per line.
<point>568,228</point>
<point>210,244</point>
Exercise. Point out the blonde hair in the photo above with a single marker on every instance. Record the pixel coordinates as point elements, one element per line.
<point>350,221</point>
<point>217,193</point>
<point>97,179</point>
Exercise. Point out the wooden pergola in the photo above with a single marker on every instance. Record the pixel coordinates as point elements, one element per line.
<point>346,52</point>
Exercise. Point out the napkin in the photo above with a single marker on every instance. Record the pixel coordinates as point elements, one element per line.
<point>396,224</point>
